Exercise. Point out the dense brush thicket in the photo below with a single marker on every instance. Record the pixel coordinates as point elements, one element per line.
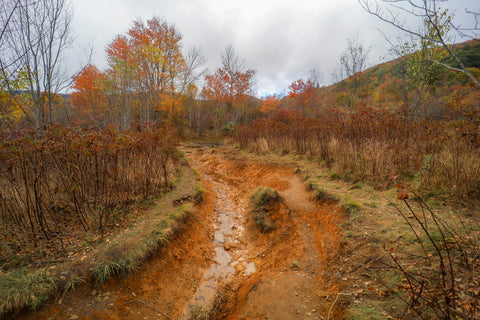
<point>375,143</point>
<point>61,179</point>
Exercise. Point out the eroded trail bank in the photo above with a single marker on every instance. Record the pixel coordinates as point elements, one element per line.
<point>221,264</point>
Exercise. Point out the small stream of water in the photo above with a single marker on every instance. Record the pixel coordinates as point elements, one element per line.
<point>229,231</point>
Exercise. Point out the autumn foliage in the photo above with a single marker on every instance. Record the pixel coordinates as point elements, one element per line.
<point>147,79</point>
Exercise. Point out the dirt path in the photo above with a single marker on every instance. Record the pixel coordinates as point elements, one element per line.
<point>221,262</point>
<point>284,274</point>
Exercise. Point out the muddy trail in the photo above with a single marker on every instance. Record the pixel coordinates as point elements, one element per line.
<point>221,264</point>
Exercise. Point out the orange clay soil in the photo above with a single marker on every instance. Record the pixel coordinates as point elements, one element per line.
<point>221,263</point>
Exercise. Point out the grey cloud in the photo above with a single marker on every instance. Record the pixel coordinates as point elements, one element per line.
<point>282,40</point>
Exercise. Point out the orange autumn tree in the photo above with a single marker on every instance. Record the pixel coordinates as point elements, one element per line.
<point>89,97</point>
<point>159,66</point>
<point>302,93</point>
<point>229,88</point>
<point>149,74</point>
<point>270,104</point>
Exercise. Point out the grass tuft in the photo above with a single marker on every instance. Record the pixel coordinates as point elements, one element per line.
<point>105,270</point>
<point>351,207</point>
<point>264,196</point>
<point>321,195</point>
<point>262,220</point>
<point>72,284</point>
<point>199,193</point>
<point>21,289</point>
<point>199,313</point>
<point>130,262</point>
<point>260,200</point>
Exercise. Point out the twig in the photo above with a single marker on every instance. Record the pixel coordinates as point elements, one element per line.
<point>335,301</point>
<point>367,264</point>
<point>149,305</point>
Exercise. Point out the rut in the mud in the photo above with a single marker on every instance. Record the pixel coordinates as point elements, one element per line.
<point>221,264</point>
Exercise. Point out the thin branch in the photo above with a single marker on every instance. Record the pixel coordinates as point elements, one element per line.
<point>149,305</point>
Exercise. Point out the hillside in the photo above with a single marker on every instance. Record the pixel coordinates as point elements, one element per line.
<point>432,90</point>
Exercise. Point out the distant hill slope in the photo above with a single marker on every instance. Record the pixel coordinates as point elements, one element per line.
<point>442,92</point>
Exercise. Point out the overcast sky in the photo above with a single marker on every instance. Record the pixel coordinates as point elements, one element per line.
<point>281,39</point>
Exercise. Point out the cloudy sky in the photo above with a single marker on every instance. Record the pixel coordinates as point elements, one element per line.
<point>281,39</point>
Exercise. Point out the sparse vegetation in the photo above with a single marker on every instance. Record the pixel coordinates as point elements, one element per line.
<point>435,274</point>
<point>199,192</point>
<point>199,313</point>
<point>131,260</point>
<point>351,207</point>
<point>295,264</point>
<point>264,196</point>
<point>320,194</point>
<point>262,201</point>
<point>72,284</point>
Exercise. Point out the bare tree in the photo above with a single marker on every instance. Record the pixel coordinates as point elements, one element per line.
<point>438,23</point>
<point>193,71</point>
<point>7,10</point>
<point>316,77</point>
<point>352,62</point>
<point>36,37</point>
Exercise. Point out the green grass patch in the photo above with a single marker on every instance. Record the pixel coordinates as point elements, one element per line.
<point>259,201</point>
<point>351,207</point>
<point>21,289</point>
<point>180,212</point>
<point>199,193</point>
<point>130,261</point>
<point>358,185</point>
<point>335,176</point>
<point>199,313</point>
<point>321,195</point>
<point>263,196</point>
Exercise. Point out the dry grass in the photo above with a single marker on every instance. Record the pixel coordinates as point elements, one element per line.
<point>23,288</point>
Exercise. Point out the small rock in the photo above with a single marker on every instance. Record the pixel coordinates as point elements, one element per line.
<point>74,317</point>
<point>229,244</point>
<point>250,268</point>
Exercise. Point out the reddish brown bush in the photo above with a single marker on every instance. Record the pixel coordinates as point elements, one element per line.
<point>60,179</point>
<point>373,143</point>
